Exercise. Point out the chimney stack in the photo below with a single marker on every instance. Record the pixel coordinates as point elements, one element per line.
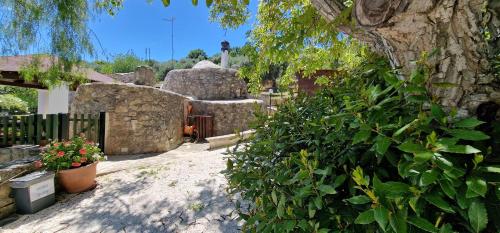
<point>224,59</point>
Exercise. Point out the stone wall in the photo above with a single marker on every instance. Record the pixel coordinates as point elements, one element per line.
<point>207,83</point>
<point>139,119</point>
<point>143,75</point>
<point>229,115</point>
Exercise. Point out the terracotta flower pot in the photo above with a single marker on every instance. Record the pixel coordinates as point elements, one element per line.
<point>78,179</point>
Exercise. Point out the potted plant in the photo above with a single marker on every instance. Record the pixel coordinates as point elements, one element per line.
<point>74,161</point>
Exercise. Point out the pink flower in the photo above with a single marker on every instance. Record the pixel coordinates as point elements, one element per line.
<point>83,159</point>
<point>56,144</point>
<point>60,154</point>
<point>83,151</point>
<point>75,164</point>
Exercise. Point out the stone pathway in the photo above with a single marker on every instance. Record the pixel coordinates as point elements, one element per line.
<point>178,191</point>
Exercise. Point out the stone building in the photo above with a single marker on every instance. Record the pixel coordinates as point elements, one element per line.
<point>216,91</point>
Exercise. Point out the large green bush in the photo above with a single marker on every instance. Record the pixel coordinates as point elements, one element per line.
<point>371,153</point>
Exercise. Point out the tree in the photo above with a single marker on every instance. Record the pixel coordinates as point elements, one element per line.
<point>197,54</point>
<point>465,34</point>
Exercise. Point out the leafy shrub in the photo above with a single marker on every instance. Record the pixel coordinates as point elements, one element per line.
<point>70,154</point>
<point>371,154</point>
<point>12,104</point>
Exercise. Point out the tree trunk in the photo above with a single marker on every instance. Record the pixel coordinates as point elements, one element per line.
<point>404,29</point>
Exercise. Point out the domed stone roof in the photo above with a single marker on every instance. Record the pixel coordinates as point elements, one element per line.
<point>206,81</point>
<point>205,64</point>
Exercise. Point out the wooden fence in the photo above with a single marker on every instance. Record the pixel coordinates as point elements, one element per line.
<point>40,129</point>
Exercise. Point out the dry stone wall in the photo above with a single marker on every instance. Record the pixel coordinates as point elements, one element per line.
<point>206,83</point>
<point>139,119</point>
<point>229,115</point>
<point>143,75</point>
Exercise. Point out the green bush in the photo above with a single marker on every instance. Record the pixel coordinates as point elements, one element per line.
<point>12,104</point>
<point>369,154</point>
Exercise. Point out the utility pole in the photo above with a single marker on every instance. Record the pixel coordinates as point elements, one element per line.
<point>171,20</point>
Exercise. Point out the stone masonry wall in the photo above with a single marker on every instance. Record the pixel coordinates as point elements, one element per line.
<point>143,75</point>
<point>229,115</point>
<point>206,83</point>
<point>139,119</point>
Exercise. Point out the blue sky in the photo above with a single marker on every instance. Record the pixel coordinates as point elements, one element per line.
<point>140,25</point>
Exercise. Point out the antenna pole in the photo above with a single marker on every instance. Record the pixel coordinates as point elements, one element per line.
<point>171,20</point>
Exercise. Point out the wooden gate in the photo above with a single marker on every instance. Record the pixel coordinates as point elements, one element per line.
<point>37,129</point>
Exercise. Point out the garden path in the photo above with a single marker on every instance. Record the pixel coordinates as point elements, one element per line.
<point>178,191</point>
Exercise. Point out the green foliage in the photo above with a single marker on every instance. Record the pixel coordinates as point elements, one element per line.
<point>28,95</point>
<point>229,14</point>
<point>12,104</point>
<point>371,153</point>
<point>54,75</point>
<point>197,54</point>
<point>122,63</point>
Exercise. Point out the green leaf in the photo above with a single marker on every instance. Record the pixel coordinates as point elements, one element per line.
<point>195,2</point>
<point>492,169</point>
<point>280,211</point>
<point>410,147</point>
<point>359,200</point>
<point>382,143</point>
<point>339,180</point>
<point>404,128</point>
<point>381,215</point>
<point>361,136</point>
<point>327,189</point>
<point>366,217</point>
<point>318,202</point>
<point>446,228</point>
<point>472,135</point>
<point>422,223</point>
<point>448,188</point>
<point>477,185</point>
<point>469,123</point>
<point>398,223</point>
<point>209,2</point>
<point>166,2</point>
<point>429,177</point>
<point>395,189</point>
<point>311,210</point>
<point>422,157</point>
<point>439,202</point>
<point>478,217</point>
<point>246,2</point>
<point>459,149</point>
<point>289,225</point>
<point>274,197</point>
<point>437,112</point>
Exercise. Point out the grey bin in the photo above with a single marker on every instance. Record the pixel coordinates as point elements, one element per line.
<point>33,192</point>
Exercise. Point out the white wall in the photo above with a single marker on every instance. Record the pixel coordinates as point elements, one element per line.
<point>53,101</point>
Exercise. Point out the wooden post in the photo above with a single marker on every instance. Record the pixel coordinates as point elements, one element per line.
<point>39,121</point>
<point>75,124</point>
<point>22,129</point>
<point>31,129</point>
<point>55,127</point>
<point>14,130</point>
<point>5,121</point>
<point>82,125</point>
<point>102,130</point>
<point>48,127</point>
<point>63,126</point>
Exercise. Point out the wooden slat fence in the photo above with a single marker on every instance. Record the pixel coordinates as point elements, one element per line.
<point>40,129</point>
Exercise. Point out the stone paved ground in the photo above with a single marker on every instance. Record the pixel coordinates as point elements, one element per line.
<point>179,191</point>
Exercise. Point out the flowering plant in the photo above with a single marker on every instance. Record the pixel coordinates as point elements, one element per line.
<point>74,153</point>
